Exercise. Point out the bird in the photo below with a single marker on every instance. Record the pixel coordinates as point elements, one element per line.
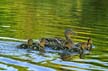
<point>58,43</point>
<point>28,44</point>
<point>85,45</point>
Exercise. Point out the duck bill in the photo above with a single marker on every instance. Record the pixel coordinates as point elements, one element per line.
<point>73,33</point>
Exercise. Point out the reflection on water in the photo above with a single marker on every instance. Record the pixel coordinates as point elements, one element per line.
<point>23,19</point>
<point>32,60</point>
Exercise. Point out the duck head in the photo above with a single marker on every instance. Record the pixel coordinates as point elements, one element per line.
<point>30,42</point>
<point>42,42</point>
<point>68,33</point>
<point>89,41</point>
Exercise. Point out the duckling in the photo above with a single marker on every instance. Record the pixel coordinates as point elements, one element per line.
<point>40,46</point>
<point>89,44</point>
<point>29,44</point>
<point>84,45</point>
<point>43,42</point>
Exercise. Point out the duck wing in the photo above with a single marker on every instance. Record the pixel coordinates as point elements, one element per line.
<point>56,43</point>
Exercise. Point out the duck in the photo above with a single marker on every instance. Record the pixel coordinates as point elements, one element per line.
<point>89,44</point>
<point>40,46</point>
<point>34,45</point>
<point>58,43</point>
<point>28,44</point>
<point>86,45</point>
<point>69,50</point>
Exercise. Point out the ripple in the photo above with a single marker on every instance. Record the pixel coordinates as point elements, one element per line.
<point>26,54</point>
<point>12,55</point>
<point>80,66</point>
<point>5,26</point>
<point>96,61</point>
<point>11,39</point>
<point>7,68</point>
<point>25,64</point>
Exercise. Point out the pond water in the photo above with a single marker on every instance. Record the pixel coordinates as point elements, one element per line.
<point>24,19</point>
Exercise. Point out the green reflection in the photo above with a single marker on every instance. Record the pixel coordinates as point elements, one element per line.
<point>25,19</point>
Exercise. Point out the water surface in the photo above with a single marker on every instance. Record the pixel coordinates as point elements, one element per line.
<point>24,19</point>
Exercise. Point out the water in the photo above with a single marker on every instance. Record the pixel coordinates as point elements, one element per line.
<point>24,19</point>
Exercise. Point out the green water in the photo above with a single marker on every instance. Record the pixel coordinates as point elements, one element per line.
<point>23,19</point>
